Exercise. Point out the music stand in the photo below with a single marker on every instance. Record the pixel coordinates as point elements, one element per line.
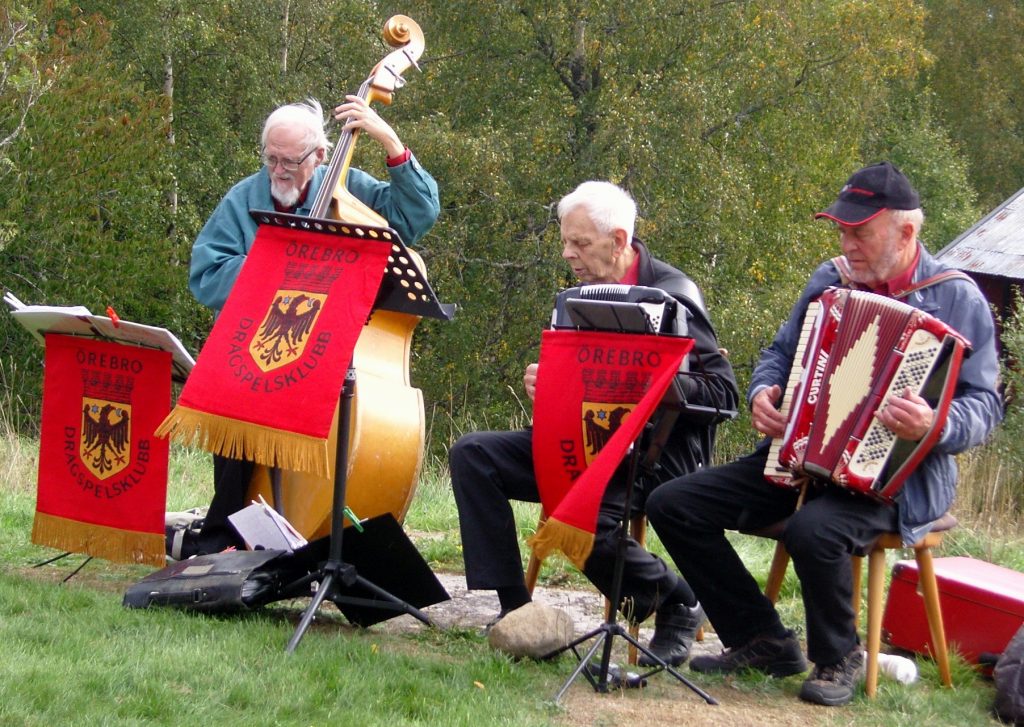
<point>403,289</point>
<point>586,314</point>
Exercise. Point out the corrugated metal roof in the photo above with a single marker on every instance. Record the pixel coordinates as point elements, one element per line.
<point>994,246</point>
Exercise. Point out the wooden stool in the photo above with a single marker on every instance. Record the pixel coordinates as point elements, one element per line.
<point>876,589</point>
<point>929,590</point>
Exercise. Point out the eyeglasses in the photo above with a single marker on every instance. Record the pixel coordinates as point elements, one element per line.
<point>290,165</point>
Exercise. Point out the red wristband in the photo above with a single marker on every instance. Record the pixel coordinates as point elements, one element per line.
<point>400,159</point>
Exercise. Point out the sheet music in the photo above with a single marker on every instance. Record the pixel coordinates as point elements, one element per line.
<point>78,320</point>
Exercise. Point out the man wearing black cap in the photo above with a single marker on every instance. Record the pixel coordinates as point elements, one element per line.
<point>878,217</point>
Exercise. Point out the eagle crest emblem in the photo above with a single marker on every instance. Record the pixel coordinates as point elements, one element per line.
<point>600,422</point>
<point>292,315</point>
<point>105,444</point>
<point>608,399</point>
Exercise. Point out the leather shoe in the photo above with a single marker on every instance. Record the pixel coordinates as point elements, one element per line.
<point>777,656</point>
<point>675,627</point>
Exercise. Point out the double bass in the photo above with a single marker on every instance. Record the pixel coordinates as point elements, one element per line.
<point>387,421</point>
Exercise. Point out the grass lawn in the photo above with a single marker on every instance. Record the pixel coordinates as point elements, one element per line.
<point>72,654</point>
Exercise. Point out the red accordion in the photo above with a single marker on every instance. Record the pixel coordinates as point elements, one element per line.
<point>856,350</point>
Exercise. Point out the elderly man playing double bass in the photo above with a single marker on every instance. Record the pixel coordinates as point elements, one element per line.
<point>294,149</point>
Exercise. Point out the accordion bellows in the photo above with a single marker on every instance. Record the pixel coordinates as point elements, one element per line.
<point>856,350</point>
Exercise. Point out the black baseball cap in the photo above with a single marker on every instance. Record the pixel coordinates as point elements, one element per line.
<point>869,192</point>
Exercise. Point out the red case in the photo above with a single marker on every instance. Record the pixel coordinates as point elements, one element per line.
<point>982,607</point>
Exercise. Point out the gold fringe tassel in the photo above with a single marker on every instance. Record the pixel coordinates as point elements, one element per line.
<point>576,544</point>
<point>245,440</point>
<point>99,541</point>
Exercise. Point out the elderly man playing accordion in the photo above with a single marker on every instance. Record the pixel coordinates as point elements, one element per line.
<point>878,217</point>
<point>490,468</point>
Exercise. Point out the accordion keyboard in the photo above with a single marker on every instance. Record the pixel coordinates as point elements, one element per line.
<point>921,355</point>
<point>774,470</point>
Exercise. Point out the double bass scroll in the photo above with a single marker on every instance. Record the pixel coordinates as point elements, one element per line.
<point>334,201</point>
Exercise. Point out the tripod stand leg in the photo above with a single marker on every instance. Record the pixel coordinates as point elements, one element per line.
<point>584,663</point>
<point>70,575</point>
<point>395,602</point>
<point>335,574</point>
<point>664,665</point>
<point>307,616</point>
<point>611,627</point>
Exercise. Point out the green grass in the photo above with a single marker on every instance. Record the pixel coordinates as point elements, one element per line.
<point>74,655</point>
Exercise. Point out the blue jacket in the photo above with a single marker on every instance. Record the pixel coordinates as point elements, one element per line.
<point>976,407</point>
<point>409,203</point>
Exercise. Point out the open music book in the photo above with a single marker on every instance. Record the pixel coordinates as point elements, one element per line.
<point>77,320</point>
<point>261,526</point>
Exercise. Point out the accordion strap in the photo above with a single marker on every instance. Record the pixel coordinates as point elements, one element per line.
<point>843,267</point>
<point>933,280</point>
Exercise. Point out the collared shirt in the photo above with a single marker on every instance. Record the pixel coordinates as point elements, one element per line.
<point>632,276</point>
<point>901,282</point>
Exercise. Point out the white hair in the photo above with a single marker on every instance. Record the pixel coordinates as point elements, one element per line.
<point>609,206</point>
<point>307,115</point>
<point>901,217</point>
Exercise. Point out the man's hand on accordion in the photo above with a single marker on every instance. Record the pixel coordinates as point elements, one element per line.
<point>908,415</point>
<point>764,415</point>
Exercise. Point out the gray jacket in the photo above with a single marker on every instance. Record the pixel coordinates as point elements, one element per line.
<point>976,407</point>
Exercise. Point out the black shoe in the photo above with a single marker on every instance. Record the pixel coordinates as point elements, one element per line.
<point>675,628</point>
<point>777,657</point>
<point>833,684</point>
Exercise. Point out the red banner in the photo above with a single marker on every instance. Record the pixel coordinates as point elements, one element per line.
<point>267,382</point>
<point>595,392</point>
<point>102,475</point>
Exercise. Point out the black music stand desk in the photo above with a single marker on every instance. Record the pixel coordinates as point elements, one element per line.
<point>620,317</point>
<point>404,289</point>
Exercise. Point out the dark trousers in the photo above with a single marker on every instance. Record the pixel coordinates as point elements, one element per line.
<point>489,469</point>
<point>231,479</point>
<point>692,513</point>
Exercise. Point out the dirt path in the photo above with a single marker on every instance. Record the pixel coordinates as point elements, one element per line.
<point>663,702</point>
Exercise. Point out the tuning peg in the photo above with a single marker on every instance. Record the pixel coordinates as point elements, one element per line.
<point>399,80</point>
<point>412,59</point>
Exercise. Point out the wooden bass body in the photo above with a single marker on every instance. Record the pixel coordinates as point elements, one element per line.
<point>386,438</point>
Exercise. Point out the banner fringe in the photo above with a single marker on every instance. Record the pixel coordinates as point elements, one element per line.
<point>554,534</point>
<point>99,541</point>
<point>245,440</point>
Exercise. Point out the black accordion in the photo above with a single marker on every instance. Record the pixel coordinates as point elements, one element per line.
<point>618,308</point>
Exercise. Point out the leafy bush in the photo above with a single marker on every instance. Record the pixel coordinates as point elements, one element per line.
<point>1008,441</point>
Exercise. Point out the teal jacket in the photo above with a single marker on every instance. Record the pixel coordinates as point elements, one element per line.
<point>409,202</point>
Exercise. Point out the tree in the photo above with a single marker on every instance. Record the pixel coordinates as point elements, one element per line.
<point>84,209</point>
<point>976,78</point>
<point>730,122</point>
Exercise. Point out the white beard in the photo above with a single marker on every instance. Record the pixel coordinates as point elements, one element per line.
<point>284,194</point>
